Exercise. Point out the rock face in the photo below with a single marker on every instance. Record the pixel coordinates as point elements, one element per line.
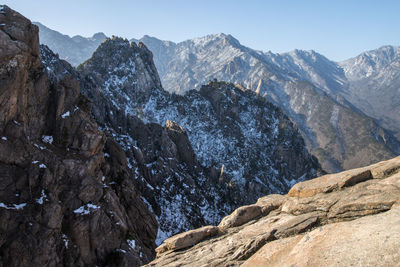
<point>224,144</point>
<point>75,49</point>
<point>66,194</point>
<point>354,222</point>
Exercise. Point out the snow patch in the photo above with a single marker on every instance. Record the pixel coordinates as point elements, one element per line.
<point>65,239</point>
<point>48,139</point>
<point>86,209</point>
<point>131,243</point>
<point>66,114</point>
<point>40,147</point>
<point>42,198</point>
<point>13,206</point>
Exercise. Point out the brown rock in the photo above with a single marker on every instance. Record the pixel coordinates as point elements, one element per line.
<point>368,241</point>
<point>330,182</point>
<point>385,168</point>
<point>183,147</point>
<point>187,239</point>
<point>240,216</point>
<point>270,203</point>
<point>299,224</point>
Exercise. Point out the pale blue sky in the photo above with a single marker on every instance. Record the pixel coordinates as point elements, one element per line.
<point>338,29</point>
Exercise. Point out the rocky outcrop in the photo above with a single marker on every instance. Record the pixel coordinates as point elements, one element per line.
<point>343,219</point>
<point>66,194</point>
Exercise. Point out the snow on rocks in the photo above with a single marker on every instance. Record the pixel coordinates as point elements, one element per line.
<point>12,206</point>
<point>131,243</point>
<point>86,209</point>
<point>48,139</point>
<point>42,198</point>
<point>66,114</point>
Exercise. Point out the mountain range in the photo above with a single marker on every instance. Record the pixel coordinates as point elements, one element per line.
<point>232,146</point>
<point>99,163</point>
<point>345,120</point>
<point>96,168</point>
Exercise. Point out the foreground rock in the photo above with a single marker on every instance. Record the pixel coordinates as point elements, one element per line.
<point>66,196</point>
<point>356,224</point>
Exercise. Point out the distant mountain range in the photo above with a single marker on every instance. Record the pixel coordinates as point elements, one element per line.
<point>73,49</point>
<point>348,112</point>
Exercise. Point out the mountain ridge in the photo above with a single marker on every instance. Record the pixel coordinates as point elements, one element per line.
<point>188,64</point>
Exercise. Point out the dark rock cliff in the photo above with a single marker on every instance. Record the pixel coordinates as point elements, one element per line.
<point>66,194</point>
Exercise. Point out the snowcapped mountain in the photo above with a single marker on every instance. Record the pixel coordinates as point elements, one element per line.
<point>220,147</point>
<point>310,88</point>
<point>192,63</point>
<point>374,79</point>
<point>74,49</point>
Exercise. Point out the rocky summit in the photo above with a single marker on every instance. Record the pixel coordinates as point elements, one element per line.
<point>66,196</point>
<point>344,219</point>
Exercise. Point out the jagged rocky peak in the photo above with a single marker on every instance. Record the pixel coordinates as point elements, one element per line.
<point>120,64</point>
<point>212,39</point>
<point>371,62</point>
<point>99,36</point>
<point>333,220</point>
<point>66,196</point>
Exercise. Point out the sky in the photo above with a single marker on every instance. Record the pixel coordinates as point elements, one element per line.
<point>337,29</point>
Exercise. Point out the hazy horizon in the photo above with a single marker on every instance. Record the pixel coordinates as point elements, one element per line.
<point>338,30</point>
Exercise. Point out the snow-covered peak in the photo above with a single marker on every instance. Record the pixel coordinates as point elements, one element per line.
<point>212,39</point>
<point>372,62</point>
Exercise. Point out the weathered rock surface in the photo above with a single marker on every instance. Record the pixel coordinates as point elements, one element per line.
<point>66,195</point>
<point>356,224</point>
<point>187,239</point>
